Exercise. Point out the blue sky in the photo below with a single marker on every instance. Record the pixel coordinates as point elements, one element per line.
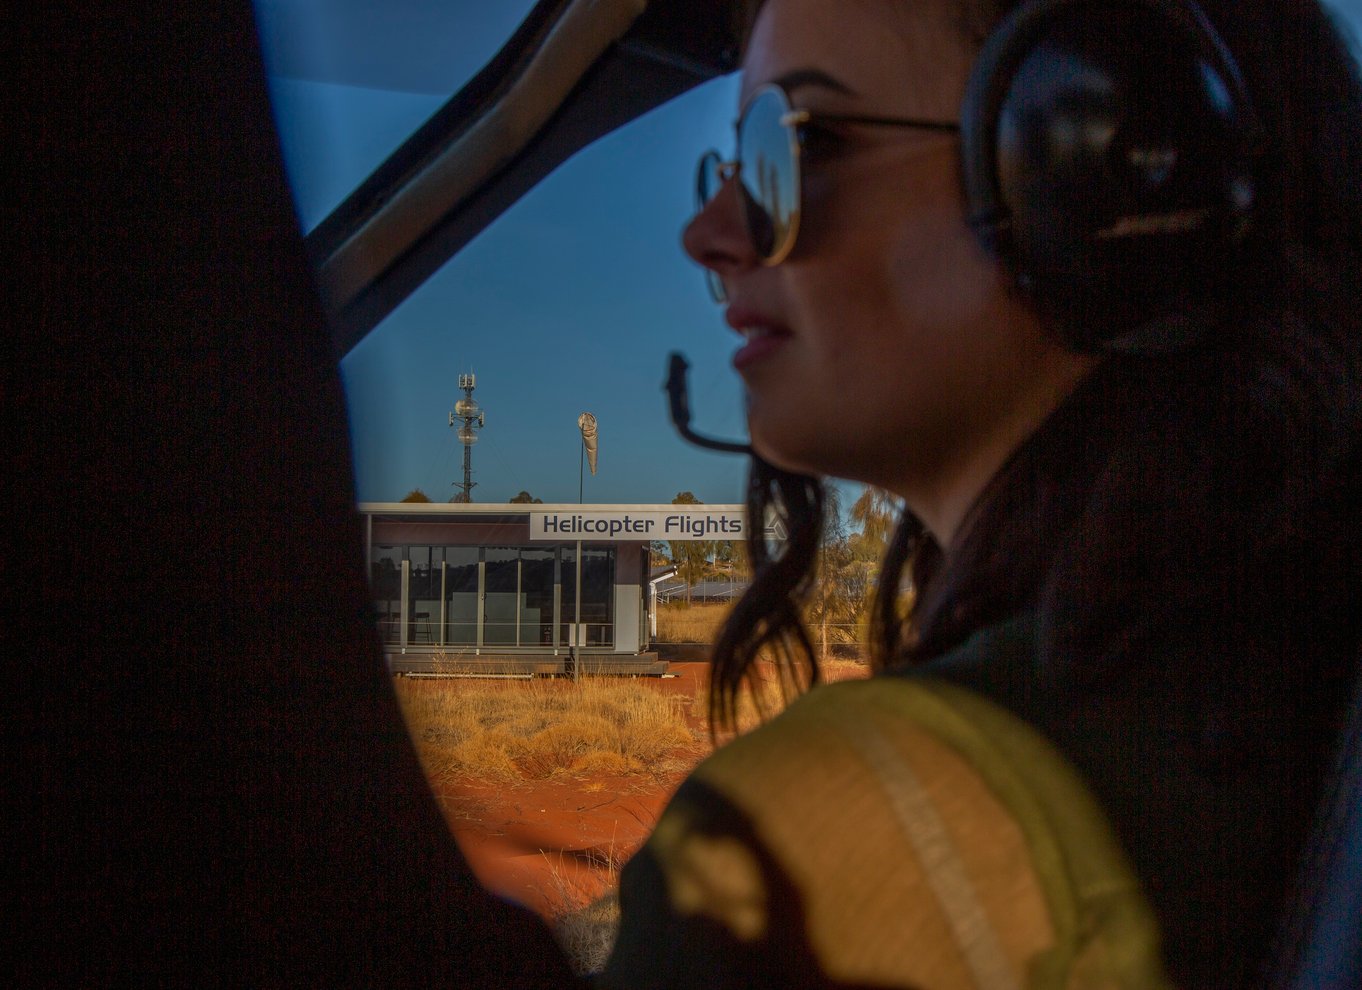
<point>570,302</point>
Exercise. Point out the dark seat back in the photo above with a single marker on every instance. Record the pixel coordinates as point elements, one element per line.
<point>1320,944</point>
<point>210,782</point>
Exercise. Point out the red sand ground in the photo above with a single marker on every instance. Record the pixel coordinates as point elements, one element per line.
<point>550,845</point>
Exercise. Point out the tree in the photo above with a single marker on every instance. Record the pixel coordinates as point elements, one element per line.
<point>416,495</point>
<point>691,557</point>
<point>525,498</point>
<point>835,607</point>
<point>839,606</point>
<point>730,556</point>
<point>876,510</point>
<point>830,609</point>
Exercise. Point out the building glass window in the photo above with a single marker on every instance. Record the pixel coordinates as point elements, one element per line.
<point>536,597</point>
<point>499,617</point>
<point>598,600</point>
<point>385,577</point>
<point>469,597</point>
<point>461,596</point>
<point>423,593</point>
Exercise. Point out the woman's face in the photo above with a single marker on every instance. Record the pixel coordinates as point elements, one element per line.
<point>887,347</point>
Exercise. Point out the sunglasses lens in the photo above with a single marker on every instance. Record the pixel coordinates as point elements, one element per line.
<point>707,183</point>
<point>770,173</point>
<point>707,180</point>
<point>717,292</point>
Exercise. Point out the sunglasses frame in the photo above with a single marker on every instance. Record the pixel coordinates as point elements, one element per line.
<point>792,120</point>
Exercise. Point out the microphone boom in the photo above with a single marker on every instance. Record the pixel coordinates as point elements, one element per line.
<point>678,403</point>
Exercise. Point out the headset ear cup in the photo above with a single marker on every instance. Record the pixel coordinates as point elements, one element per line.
<point>1105,160</point>
<point>985,91</point>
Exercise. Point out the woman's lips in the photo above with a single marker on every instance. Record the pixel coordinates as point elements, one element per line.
<point>761,342</point>
<point>762,337</point>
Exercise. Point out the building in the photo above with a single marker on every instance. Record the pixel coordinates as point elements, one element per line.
<point>481,587</point>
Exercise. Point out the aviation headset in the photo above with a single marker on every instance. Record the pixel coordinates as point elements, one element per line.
<point>1108,151</point>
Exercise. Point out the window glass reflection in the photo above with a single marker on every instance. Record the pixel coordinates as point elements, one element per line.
<point>501,601</point>
<point>536,597</point>
<point>597,615</point>
<point>461,596</point>
<point>385,577</point>
<point>423,594</point>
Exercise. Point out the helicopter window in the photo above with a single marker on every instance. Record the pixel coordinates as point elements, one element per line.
<point>1348,16</point>
<point>567,303</point>
<point>350,82</point>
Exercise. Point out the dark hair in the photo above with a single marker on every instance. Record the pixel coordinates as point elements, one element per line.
<point>767,616</point>
<point>1309,233</point>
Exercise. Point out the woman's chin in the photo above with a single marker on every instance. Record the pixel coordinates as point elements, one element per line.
<point>793,457</point>
<point>815,461</point>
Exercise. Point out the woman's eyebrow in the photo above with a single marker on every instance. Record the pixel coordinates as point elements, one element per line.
<point>792,80</point>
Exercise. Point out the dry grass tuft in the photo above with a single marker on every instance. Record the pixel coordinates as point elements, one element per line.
<point>696,623</point>
<point>602,764</point>
<point>834,670</point>
<point>587,934</point>
<point>586,912</point>
<point>490,752</point>
<point>763,698</point>
<point>534,730</point>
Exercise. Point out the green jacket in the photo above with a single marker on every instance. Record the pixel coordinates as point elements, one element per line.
<point>896,832</point>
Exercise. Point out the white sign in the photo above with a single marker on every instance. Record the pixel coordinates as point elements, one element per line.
<point>684,522</point>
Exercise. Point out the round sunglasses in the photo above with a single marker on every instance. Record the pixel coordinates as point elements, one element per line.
<point>770,136</point>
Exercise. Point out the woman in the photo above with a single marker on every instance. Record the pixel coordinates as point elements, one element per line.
<point>1124,479</point>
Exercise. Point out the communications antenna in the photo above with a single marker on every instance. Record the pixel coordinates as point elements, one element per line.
<point>467,415</point>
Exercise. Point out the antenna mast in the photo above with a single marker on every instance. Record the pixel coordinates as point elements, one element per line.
<point>467,413</point>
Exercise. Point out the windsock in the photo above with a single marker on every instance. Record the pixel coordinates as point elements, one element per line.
<point>588,424</point>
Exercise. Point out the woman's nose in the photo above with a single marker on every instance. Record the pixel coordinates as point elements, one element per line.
<point>717,238</point>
